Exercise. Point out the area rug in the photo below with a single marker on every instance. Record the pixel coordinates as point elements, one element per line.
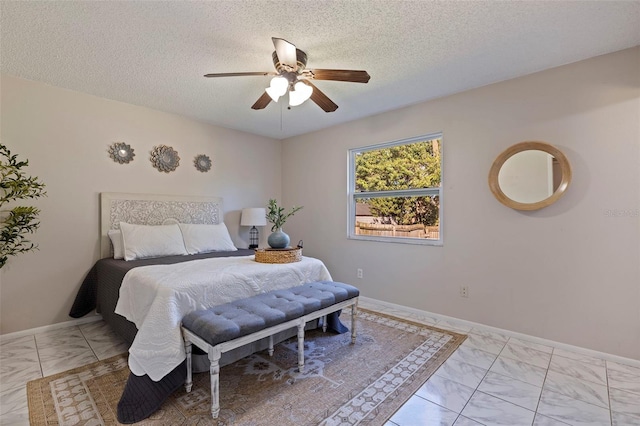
<point>343,383</point>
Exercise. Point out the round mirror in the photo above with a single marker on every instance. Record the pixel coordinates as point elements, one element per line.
<point>529,176</point>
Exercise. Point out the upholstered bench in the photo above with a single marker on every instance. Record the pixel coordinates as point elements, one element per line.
<point>225,327</point>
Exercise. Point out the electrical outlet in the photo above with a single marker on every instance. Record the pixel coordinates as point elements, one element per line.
<point>359,272</point>
<point>464,291</point>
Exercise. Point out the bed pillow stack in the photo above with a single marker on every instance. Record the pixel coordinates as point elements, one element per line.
<point>144,241</point>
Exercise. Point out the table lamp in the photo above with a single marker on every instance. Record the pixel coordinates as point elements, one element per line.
<point>254,216</point>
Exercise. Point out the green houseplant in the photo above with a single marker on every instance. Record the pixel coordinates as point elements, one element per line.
<point>277,216</point>
<point>19,221</point>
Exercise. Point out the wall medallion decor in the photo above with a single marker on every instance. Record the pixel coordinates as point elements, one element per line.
<point>164,158</point>
<point>202,163</point>
<point>121,152</point>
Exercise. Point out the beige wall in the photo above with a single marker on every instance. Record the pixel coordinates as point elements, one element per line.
<point>569,273</point>
<point>65,135</point>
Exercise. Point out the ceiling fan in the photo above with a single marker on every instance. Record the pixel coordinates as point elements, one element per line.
<point>292,76</point>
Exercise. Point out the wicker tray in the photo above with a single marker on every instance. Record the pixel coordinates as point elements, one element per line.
<point>286,255</point>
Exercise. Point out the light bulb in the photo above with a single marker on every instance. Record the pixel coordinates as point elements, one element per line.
<point>281,84</point>
<point>300,93</point>
<point>277,88</point>
<point>272,93</point>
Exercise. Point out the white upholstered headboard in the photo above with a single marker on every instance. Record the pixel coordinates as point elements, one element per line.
<point>151,209</point>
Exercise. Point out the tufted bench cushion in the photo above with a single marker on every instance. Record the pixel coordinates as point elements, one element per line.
<point>246,316</point>
<point>225,327</point>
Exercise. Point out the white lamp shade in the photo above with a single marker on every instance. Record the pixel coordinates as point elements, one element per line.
<point>273,93</point>
<point>255,216</point>
<point>301,93</point>
<point>277,88</point>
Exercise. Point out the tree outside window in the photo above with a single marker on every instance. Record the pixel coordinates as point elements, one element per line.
<point>395,191</point>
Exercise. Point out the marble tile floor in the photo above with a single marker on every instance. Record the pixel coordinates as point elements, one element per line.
<point>492,379</point>
<point>31,357</point>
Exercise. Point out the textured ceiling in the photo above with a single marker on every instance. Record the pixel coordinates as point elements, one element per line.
<point>154,54</point>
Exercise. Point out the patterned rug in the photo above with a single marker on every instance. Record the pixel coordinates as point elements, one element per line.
<point>342,384</point>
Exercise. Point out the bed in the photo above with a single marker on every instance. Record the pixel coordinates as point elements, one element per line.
<point>177,284</point>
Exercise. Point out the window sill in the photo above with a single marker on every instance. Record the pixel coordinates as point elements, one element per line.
<point>397,240</point>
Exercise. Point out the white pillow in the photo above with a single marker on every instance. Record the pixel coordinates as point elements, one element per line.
<point>116,242</point>
<point>142,241</point>
<point>202,238</point>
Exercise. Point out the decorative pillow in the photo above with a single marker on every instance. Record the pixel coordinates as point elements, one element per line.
<point>142,241</point>
<point>116,242</point>
<point>202,238</point>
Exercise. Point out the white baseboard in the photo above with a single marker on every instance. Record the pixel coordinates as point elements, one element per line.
<point>452,320</point>
<point>365,300</point>
<point>87,319</point>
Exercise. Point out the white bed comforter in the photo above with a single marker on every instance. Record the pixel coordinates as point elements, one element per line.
<point>156,298</point>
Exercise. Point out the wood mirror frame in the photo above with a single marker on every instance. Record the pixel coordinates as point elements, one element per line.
<point>565,169</point>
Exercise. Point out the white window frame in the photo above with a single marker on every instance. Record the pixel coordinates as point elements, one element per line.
<point>353,196</point>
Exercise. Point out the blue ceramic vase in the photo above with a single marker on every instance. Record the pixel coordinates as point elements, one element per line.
<point>278,239</point>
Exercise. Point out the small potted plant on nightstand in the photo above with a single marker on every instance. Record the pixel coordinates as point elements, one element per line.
<point>277,216</point>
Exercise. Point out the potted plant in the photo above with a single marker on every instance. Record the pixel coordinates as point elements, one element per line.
<point>277,216</point>
<point>20,220</point>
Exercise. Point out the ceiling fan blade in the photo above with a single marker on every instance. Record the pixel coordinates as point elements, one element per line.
<point>286,52</point>
<point>321,99</point>
<point>239,74</point>
<point>341,75</point>
<point>262,101</point>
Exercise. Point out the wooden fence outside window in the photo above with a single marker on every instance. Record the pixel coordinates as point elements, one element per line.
<point>403,231</point>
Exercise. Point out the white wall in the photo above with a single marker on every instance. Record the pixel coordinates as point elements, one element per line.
<point>569,272</point>
<point>65,136</point>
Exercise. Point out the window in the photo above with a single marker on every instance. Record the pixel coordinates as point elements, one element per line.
<point>395,190</point>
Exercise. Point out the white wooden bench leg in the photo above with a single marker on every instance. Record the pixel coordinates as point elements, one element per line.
<point>214,359</point>
<point>354,311</point>
<point>324,323</point>
<point>301,346</point>
<point>215,352</point>
<point>189,382</point>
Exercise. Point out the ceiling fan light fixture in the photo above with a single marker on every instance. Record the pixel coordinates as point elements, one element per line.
<point>292,75</point>
<point>300,93</point>
<point>277,88</point>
